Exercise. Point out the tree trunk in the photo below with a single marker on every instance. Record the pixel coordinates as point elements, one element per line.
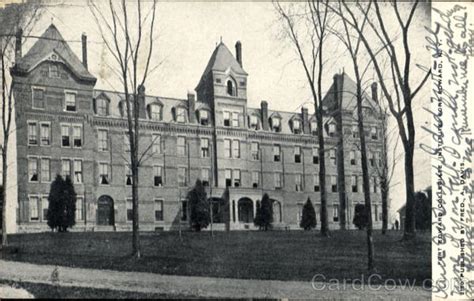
<point>384,193</point>
<point>341,183</point>
<point>409,230</point>
<point>322,175</point>
<point>4,192</point>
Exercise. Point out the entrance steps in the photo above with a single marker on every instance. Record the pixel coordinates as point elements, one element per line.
<point>104,229</point>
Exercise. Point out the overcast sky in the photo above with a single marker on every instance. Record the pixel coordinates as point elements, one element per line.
<point>188,34</point>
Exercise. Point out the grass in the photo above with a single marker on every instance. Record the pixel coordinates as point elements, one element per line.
<point>47,291</point>
<point>278,255</point>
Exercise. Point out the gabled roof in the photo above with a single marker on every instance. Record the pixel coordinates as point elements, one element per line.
<point>52,41</point>
<point>222,59</point>
<point>349,90</point>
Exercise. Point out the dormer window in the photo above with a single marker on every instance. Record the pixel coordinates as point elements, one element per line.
<point>332,130</point>
<point>276,124</point>
<point>180,114</point>
<point>102,107</point>
<point>70,101</point>
<point>154,112</point>
<point>54,71</point>
<point>204,117</point>
<point>297,126</point>
<point>314,127</point>
<point>123,108</point>
<point>231,88</point>
<point>253,122</point>
<point>373,133</point>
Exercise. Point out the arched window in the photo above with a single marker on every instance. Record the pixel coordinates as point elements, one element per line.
<point>154,111</point>
<point>102,106</point>
<point>230,88</point>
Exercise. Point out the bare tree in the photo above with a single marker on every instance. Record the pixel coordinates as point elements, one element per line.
<point>401,103</point>
<point>129,37</point>
<point>307,29</point>
<point>14,19</point>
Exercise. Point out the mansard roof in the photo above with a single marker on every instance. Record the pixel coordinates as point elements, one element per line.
<point>51,41</point>
<point>221,60</point>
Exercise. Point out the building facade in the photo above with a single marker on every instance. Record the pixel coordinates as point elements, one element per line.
<point>66,127</point>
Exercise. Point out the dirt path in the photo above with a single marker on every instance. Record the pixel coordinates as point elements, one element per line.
<point>193,286</point>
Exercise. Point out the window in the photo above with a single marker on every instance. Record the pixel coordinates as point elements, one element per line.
<point>103,140</point>
<point>297,151</point>
<point>66,168</point>
<point>297,126</point>
<point>352,158</point>
<point>45,170</point>
<point>203,117</point>
<point>298,182</point>
<point>102,107</point>
<point>255,179</point>
<point>360,181</point>
<point>32,133</point>
<point>373,133</point>
<point>155,112</point>
<point>184,210</point>
<point>335,214</point>
<point>228,177</point>
<point>54,71</point>
<point>355,131</point>
<point>278,180</point>
<point>38,98</point>
<point>227,150</point>
<point>226,118</point>
<point>276,124</point>
<point>45,134</point>
<point>181,146</point>
<point>236,149</point>
<point>316,182</point>
<point>33,169</point>
<point>204,147</point>
<point>230,88</point>
<point>70,102</point>
<point>276,153</point>
<point>44,207</point>
<point>314,127</point>
<point>180,114</point>
<point>374,181</point>
<point>332,156</point>
<point>332,130</point>
<point>78,171</point>
<point>34,214</point>
<point>158,176</point>
<point>333,183</point>
<point>182,176</point>
<point>315,155</point>
<point>376,213</point>
<point>235,119</point>
<point>354,183</point>
<point>126,143</point>
<point>205,176</point>
<point>253,122</point>
<point>156,140</point>
<point>158,210</point>
<point>104,173</point>
<point>371,159</point>
<point>77,136</point>
<point>236,176</point>
<point>129,210</point>
<point>79,209</point>
<point>254,149</point>
<point>128,175</point>
<point>65,136</point>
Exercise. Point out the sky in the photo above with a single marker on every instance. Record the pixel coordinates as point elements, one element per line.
<point>189,32</point>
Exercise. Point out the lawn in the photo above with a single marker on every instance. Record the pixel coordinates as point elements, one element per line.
<point>277,255</point>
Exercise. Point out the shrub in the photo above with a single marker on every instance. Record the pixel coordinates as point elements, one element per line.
<point>264,215</point>
<point>62,204</point>
<point>308,219</point>
<point>360,216</point>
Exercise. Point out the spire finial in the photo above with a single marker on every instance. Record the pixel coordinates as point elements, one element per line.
<point>221,39</point>
<point>52,19</point>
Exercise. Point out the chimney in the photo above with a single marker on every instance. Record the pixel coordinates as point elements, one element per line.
<point>304,116</point>
<point>84,49</point>
<point>191,107</point>
<point>18,43</point>
<point>238,53</point>
<point>141,102</point>
<point>375,97</point>
<point>264,114</point>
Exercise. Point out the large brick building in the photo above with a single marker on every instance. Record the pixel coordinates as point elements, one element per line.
<point>65,126</point>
